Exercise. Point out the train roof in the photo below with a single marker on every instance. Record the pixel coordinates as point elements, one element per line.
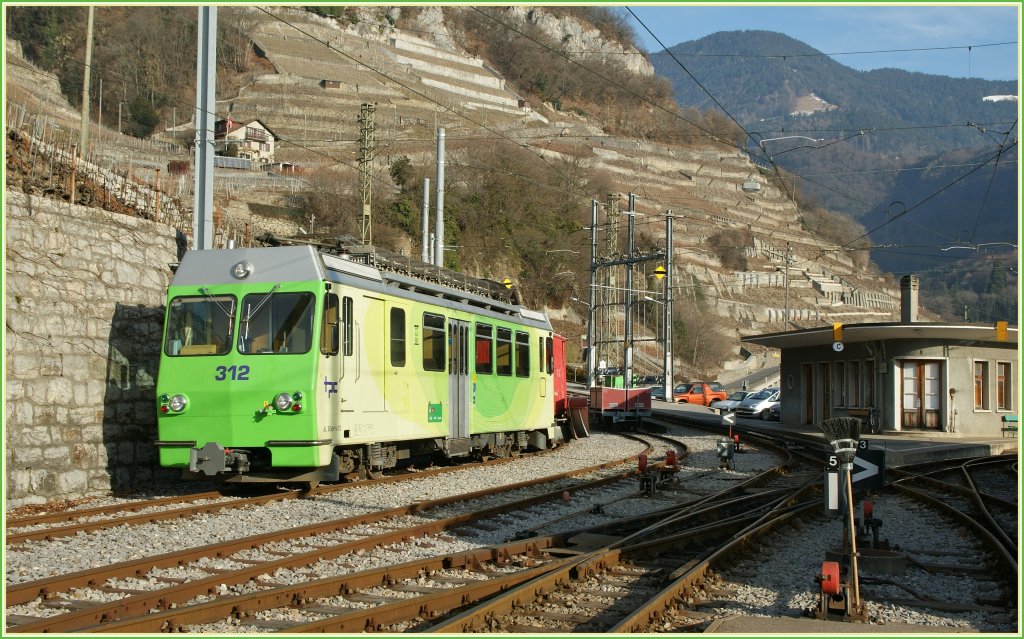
<point>366,268</point>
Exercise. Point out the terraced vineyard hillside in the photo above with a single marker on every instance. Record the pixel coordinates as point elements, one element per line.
<point>320,73</point>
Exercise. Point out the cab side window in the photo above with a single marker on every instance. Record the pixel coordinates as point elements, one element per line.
<point>433,342</point>
<point>484,349</point>
<point>330,335</point>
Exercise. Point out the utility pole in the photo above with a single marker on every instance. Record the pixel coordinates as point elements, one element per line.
<point>669,368</point>
<point>609,292</point>
<point>591,344</point>
<point>627,325</point>
<point>83,136</point>
<point>425,226</point>
<point>366,148</point>
<point>789,256</point>
<point>206,106</point>
<point>439,202</point>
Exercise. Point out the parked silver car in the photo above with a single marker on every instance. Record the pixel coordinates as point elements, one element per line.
<point>758,404</point>
<point>732,401</point>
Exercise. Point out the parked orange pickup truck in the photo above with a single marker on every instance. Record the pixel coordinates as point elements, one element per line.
<point>702,393</point>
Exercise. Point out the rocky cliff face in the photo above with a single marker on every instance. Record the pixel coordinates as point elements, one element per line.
<point>578,37</point>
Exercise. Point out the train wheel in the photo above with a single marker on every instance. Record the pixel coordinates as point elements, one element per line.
<point>308,488</point>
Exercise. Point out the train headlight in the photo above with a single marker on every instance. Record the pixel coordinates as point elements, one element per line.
<point>177,403</point>
<point>283,401</point>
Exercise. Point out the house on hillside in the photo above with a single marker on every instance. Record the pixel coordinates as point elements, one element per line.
<point>252,140</point>
<point>914,376</point>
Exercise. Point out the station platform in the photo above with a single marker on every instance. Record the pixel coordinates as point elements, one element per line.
<point>789,626</point>
<point>901,447</point>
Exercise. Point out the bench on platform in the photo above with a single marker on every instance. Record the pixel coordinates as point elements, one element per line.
<point>1009,428</point>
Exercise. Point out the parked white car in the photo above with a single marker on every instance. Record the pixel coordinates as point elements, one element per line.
<point>757,405</point>
<point>731,402</point>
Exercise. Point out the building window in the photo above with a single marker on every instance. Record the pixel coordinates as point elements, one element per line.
<point>397,337</point>
<point>433,342</point>
<point>981,399</point>
<point>1004,386</point>
<point>522,354</point>
<point>484,349</point>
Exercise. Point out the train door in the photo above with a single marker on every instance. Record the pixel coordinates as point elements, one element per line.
<point>458,379</point>
<point>369,346</point>
<point>396,379</point>
<point>921,396</point>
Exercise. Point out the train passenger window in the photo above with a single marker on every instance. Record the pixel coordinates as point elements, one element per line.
<point>484,349</point>
<point>398,337</point>
<point>503,356</point>
<point>551,355</point>
<point>199,325</point>
<point>276,323</point>
<point>347,322</point>
<point>522,354</point>
<point>433,342</point>
<point>329,333</point>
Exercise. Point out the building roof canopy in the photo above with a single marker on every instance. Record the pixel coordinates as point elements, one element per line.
<point>853,333</point>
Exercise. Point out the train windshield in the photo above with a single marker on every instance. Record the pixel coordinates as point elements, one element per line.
<point>199,325</point>
<point>276,323</point>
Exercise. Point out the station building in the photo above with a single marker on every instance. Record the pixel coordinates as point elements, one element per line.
<point>913,376</point>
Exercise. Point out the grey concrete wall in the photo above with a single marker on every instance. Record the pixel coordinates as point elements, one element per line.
<point>84,308</point>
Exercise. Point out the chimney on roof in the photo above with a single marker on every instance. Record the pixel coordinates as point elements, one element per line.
<point>909,286</point>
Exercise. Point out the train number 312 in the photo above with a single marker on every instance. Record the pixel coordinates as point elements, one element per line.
<point>234,373</point>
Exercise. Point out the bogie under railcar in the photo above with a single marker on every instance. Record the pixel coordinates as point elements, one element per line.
<point>288,364</point>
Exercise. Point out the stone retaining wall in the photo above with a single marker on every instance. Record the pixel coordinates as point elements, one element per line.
<point>84,310</point>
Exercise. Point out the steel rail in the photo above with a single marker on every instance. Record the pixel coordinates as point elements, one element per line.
<point>977,497</point>
<point>1008,561</point>
<point>180,513</point>
<point>140,603</point>
<point>691,577</point>
<point>637,542</point>
<point>298,595</point>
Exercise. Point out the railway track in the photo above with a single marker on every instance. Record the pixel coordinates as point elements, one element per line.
<point>151,583</point>
<point>409,595</point>
<point>53,525</point>
<point>956,489</point>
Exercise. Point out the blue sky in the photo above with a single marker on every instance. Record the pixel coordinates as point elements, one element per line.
<point>835,29</point>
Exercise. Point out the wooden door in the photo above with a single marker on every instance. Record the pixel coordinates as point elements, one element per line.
<point>921,395</point>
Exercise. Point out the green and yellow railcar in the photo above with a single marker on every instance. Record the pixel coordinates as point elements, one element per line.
<point>289,364</point>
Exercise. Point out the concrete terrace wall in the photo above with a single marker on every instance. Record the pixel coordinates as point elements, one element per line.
<point>84,309</point>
